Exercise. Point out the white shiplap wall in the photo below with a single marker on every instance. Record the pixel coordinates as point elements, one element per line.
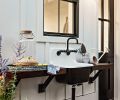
<point>28,14</point>
<point>117,51</point>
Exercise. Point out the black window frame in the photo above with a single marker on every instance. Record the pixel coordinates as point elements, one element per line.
<point>76,21</point>
<point>106,78</point>
<point>109,20</point>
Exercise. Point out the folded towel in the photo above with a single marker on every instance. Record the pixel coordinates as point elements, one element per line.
<point>53,69</point>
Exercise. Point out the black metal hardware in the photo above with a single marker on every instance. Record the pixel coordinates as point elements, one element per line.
<point>73,92</point>
<point>92,79</point>
<point>42,87</point>
<point>68,42</point>
<point>101,19</point>
<point>67,51</point>
<point>72,1</point>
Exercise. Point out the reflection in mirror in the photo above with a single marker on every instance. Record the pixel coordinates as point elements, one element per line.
<point>66,17</point>
<point>61,17</point>
<point>50,15</point>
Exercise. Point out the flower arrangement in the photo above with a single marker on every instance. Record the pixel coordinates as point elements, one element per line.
<point>7,80</point>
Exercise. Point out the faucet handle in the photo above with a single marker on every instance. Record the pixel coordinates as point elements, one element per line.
<point>58,53</point>
<point>68,53</point>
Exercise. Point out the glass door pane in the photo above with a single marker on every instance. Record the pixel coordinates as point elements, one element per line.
<point>106,9</point>
<point>106,35</point>
<point>99,36</point>
<point>99,8</point>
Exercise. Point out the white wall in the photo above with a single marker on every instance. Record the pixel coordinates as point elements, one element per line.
<point>117,50</point>
<point>28,14</point>
<point>9,26</point>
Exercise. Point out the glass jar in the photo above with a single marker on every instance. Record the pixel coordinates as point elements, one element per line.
<point>27,41</point>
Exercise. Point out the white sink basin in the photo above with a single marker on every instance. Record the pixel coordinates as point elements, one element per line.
<point>64,60</point>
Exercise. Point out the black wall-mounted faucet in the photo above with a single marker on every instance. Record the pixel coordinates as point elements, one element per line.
<point>68,42</point>
<point>67,51</point>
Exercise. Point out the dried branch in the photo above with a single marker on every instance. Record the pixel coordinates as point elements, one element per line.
<point>20,50</point>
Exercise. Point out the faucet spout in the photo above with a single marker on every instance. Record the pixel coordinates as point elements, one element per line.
<point>69,40</point>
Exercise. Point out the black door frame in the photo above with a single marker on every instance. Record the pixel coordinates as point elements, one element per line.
<point>106,79</point>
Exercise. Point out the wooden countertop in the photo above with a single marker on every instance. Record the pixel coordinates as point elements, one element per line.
<point>102,66</point>
<point>41,73</point>
<point>30,74</point>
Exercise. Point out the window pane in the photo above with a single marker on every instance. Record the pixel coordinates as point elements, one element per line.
<point>51,16</point>
<point>99,8</point>
<point>99,35</point>
<point>66,17</point>
<point>106,35</point>
<point>106,9</point>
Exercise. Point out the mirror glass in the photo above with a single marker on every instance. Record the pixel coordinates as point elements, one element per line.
<point>66,17</point>
<point>60,17</point>
<point>50,15</point>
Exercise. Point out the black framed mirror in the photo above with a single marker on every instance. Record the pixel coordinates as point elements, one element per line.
<point>61,18</point>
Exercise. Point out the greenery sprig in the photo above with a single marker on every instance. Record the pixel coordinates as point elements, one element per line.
<point>7,84</point>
